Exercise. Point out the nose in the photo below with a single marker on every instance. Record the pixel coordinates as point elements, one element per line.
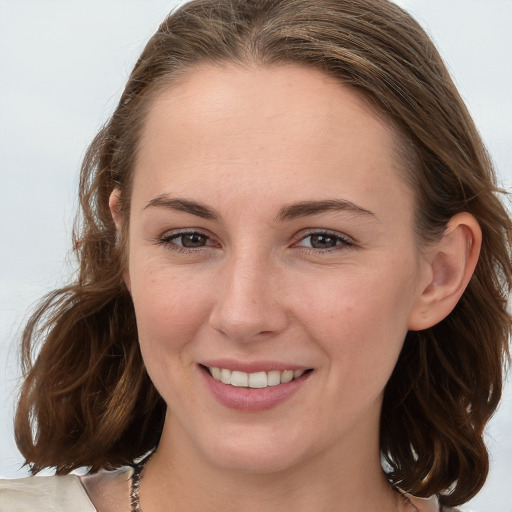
<point>250,300</point>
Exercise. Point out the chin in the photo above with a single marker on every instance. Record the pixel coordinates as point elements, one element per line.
<point>255,463</point>
<point>254,452</point>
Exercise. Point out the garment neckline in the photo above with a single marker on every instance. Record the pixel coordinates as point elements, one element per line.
<point>123,470</point>
<point>422,504</point>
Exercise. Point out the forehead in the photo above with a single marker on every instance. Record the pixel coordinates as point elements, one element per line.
<point>263,127</point>
<point>260,97</point>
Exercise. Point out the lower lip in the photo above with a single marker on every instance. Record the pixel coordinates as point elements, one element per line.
<point>249,399</point>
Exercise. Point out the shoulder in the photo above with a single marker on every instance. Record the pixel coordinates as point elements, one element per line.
<point>430,505</point>
<point>44,494</point>
<point>454,509</point>
<point>109,490</point>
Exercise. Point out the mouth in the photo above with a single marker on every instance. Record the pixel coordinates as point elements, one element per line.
<point>256,380</point>
<point>256,390</point>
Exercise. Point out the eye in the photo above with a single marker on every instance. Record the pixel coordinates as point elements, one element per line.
<point>324,241</point>
<point>185,240</point>
<point>190,240</point>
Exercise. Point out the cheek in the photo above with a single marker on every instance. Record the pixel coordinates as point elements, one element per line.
<point>360,321</point>
<point>169,310</point>
<point>169,314</point>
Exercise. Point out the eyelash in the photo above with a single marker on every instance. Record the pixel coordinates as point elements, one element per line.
<point>342,241</point>
<point>168,240</point>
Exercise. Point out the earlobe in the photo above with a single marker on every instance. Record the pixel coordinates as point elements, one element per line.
<point>451,262</point>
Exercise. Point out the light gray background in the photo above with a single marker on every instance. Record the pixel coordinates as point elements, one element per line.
<point>63,64</point>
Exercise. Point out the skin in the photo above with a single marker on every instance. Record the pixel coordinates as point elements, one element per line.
<point>246,142</point>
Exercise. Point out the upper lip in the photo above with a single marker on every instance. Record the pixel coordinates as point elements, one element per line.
<point>252,366</point>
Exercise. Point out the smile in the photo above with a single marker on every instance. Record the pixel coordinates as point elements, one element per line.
<point>257,380</point>
<point>253,391</point>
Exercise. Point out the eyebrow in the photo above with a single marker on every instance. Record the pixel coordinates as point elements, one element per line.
<point>183,205</point>
<point>287,212</point>
<point>306,208</point>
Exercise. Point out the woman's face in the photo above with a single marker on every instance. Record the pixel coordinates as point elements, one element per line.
<point>270,232</point>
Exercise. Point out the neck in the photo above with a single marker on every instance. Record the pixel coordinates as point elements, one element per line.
<point>347,477</point>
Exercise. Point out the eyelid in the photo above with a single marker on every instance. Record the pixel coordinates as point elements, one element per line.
<point>347,241</point>
<point>167,239</point>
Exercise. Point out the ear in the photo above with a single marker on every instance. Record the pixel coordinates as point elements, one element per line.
<point>450,264</point>
<point>114,203</point>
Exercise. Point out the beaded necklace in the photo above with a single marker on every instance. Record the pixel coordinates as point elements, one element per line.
<point>135,482</point>
<point>138,468</point>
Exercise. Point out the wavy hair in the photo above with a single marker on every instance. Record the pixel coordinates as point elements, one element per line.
<point>87,399</point>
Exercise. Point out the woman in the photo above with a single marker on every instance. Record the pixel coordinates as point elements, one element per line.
<point>293,262</point>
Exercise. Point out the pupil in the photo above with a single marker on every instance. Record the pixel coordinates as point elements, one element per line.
<point>193,240</point>
<point>323,241</point>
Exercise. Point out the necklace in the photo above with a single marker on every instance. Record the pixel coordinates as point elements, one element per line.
<point>135,482</point>
<point>138,468</point>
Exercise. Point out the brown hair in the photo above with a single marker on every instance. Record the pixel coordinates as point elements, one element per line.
<point>87,400</point>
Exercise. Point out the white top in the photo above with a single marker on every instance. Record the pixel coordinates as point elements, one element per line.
<point>67,494</point>
<point>44,494</point>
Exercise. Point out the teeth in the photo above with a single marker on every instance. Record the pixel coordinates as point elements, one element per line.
<point>256,380</point>
<point>225,376</point>
<point>286,376</point>
<point>239,379</point>
<point>273,378</point>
